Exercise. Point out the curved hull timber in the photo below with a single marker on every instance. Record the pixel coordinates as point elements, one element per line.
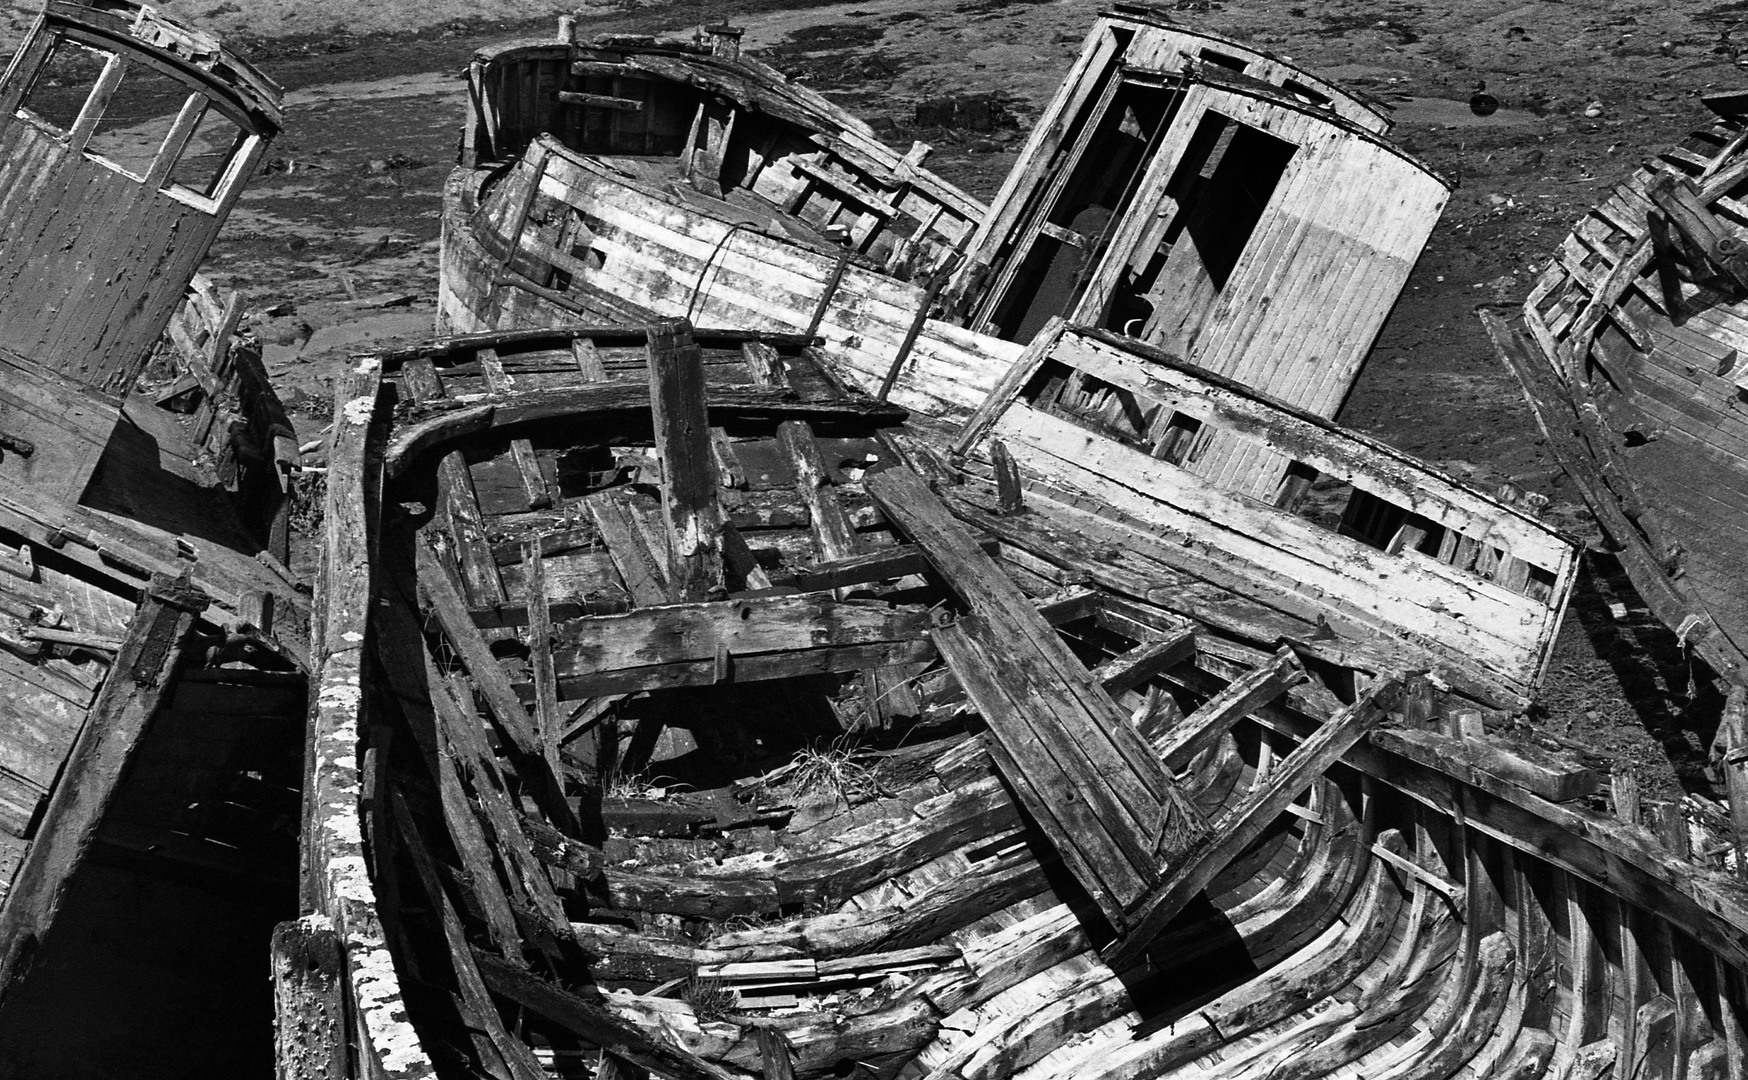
<point>562,833</point>
<point>1631,366</point>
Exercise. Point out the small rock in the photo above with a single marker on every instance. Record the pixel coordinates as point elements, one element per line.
<point>1593,110</point>
<point>377,165</point>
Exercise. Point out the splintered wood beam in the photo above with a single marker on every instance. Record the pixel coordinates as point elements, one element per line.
<point>583,1013</point>
<point>682,435</point>
<point>1734,731</point>
<point>747,639</point>
<point>1690,216</point>
<point>486,1027</point>
<point>460,503</point>
<point>471,415</point>
<point>1123,673</point>
<point>1243,824</point>
<point>1241,697</point>
<point>494,684</point>
<point>521,450</point>
<point>1097,724</point>
<point>546,715</point>
<point>643,568</point>
<point>1010,496</point>
<point>833,536</point>
<point>881,565</point>
<point>143,671</point>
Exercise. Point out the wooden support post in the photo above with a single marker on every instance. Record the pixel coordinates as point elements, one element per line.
<point>1623,785</point>
<point>309,1002</point>
<point>1245,822</point>
<point>143,671</point>
<point>546,715</point>
<point>1734,732</point>
<point>1010,497</point>
<point>682,433</point>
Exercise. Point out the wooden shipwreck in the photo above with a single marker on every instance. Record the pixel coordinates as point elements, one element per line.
<point>1628,353</point>
<point>682,713</point>
<point>151,637</point>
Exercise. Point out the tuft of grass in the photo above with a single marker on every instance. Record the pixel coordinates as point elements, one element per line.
<point>834,769</point>
<point>709,997</point>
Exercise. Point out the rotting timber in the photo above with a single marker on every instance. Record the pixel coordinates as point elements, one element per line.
<point>151,638</point>
<point>680,713</point>
<point>1627,350</point>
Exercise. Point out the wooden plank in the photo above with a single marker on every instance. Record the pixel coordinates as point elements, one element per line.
<point>643,569</point>
<point>431,428</point>
<point>1143,662</point>
<point>521,450</point>
<point>1241,697</point>
<point>1243,824</point>
<point>546,715</point>
<point>142,673</point>
<point>664,646</point>
<point>833,536</point>
<point>950,547</point>
<point>476,656</point>
<point>689,506</point>
<point>584,1014</point>
<point>461,516</point>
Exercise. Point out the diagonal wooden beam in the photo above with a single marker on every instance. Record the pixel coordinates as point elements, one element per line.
<point>1240,826</point>
<point>138,679</point>
<point>1241,697</point>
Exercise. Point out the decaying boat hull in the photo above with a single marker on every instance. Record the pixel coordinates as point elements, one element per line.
<point>1630,365</point>
<point>1414,900</point>
<point>151,637</point>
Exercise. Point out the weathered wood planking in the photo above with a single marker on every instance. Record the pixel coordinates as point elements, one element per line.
<point>119,247</point>
<point>1095,787</point>
<point>772,637</point>
<point>1095,139</point>
<point>1302,304</point>
<point>1457,613</point>
<point>677,260</point>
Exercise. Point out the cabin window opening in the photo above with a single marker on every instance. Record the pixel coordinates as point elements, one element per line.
<point>1222,197</point>
<point>1110,410</point>
<point>1304,93</point>
<point>1371,520</point>
<point>559,281</point>
<point>63,85</point>
<point>206,157</point>
<point>1224,60</point>
<point>1538,584</point>
<point>137,120</point>
<point>1178,444</point>
<point>1295,485</point>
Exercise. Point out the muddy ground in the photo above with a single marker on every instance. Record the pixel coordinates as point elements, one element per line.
<point>337,241</point>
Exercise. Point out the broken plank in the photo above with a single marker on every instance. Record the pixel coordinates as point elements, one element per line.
<point>1127,764</point>
<point>460,503</point>
<point>585,1015</point>
<point>644,570</point>
<point>521,450</point>
<point>1131,669</point>
<point>89,780</point>
<point>1242,696</point>
<point>1240,827</point>
<point>882,565</point>
<point>682,435</point>
<point>832,534</point>
<point>476,656</point>
<point>546,714</point>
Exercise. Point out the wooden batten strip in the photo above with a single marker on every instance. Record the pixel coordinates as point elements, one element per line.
<point>689,505</point>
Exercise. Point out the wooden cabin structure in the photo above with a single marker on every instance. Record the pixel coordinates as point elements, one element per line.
<point>1351,532</point>
<point>125,138</point>
<point>152,639</point>
<point>1210,200</point>
<point>597,792</point>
